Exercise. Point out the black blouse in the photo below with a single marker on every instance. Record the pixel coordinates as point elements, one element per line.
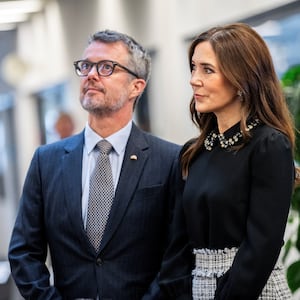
<point>234,199</point>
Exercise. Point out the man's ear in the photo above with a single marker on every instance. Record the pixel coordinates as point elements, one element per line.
<point>138,86</point>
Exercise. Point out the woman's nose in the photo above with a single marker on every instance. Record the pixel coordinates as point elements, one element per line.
<point>196,79</point>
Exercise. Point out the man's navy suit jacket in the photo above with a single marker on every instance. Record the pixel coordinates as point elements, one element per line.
<point>50,215</point>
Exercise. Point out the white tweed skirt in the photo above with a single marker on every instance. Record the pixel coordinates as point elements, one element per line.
<point>212,264</point>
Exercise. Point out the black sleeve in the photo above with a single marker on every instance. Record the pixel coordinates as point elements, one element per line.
<point>175,276</point>
<point>28,246</point>
<point>272,172</point>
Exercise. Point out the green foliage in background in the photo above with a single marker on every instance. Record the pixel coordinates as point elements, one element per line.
<point>291,84</point>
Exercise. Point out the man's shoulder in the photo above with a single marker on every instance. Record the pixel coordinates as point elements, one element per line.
<point>68,143</point>
<point>159,140</point>
<point>162,141</point>
<point>162,145</point>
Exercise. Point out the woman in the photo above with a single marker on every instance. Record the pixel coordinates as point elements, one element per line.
<point>239,174</point>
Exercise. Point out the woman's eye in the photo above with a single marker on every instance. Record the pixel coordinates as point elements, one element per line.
<point>208,71</point>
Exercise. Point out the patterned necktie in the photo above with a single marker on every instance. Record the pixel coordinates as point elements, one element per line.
<point>101,195</point>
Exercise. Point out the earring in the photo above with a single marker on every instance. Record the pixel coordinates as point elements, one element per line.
<point>240,95</point>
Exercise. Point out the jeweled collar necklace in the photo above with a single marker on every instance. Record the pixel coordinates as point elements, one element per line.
<point>224,142</point>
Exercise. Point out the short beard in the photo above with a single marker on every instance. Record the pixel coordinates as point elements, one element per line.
<point>101,110</point>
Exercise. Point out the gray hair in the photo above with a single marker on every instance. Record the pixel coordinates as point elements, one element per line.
<point>139,59</point>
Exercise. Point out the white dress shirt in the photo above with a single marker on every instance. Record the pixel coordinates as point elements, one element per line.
<point>118,140</point>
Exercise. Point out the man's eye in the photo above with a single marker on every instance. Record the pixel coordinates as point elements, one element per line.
<point>85,66</point>
<point>106,67</point>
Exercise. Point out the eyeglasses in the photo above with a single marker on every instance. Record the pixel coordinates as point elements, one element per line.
<point>103,67</point>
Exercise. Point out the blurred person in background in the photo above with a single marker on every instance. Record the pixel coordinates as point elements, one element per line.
<point>121,263</point>
<point>64,125</point>
<point>239,175</point>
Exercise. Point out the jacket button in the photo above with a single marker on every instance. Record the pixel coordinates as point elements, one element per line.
<point>99,261</point>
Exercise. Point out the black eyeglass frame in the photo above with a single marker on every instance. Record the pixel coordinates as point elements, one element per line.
<point>98,64</point>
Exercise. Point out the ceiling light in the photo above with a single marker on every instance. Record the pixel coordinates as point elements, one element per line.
<point>12,12</point>
<point>13,18</point>
<point>21,6</point>
<point>7,27</point>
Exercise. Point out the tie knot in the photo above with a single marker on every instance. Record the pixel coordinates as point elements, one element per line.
<point>104,146</point>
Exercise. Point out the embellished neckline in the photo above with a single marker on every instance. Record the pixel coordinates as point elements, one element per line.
<point>225,142</point>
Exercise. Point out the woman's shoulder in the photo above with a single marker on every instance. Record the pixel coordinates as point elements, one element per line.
<point>266,131</point>
<point>270,137</point>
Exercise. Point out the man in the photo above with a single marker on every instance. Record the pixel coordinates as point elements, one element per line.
<point>55,204</point>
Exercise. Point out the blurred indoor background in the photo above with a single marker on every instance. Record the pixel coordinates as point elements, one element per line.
<point>40,39</point>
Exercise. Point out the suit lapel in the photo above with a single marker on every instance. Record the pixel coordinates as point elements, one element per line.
<point>72,177</point>
<point>136,155</point>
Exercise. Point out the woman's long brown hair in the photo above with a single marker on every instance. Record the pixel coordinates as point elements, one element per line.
<point>245,61</point>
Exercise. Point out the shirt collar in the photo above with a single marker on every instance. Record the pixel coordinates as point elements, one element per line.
<point>118,140</point>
